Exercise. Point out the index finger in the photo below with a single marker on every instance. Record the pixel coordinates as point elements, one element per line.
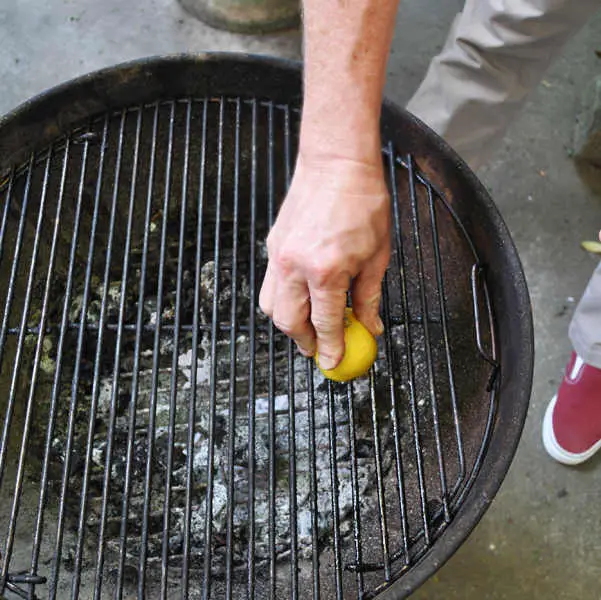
<point>327,316</point>
<point>291,314</point>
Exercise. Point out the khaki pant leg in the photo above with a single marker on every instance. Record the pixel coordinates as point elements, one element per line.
<point>496,54</point>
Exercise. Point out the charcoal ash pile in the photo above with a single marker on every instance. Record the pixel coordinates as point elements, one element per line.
<point>175,390</point>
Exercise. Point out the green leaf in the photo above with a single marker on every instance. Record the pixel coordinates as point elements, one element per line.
<point>592,247</point>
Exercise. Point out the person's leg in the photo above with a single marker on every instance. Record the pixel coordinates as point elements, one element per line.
<point>585,328</point>
<point>572,423</point>
<point>496,53</point>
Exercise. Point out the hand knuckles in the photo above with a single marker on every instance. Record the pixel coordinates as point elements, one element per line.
<point>287,261</point>
<point>321,272</point>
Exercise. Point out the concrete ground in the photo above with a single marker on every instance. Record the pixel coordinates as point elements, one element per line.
<point>542,537</point>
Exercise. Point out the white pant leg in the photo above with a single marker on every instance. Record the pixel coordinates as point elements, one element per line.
<point>496,54</point>
<point>585,328</point>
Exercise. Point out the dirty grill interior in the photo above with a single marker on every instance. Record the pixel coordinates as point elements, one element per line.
<point>160,438</point>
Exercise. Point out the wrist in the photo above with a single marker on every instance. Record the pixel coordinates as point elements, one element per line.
<point>327,169</point>
<point>342,135</point>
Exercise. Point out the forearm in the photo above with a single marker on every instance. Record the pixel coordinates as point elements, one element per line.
<point>347,43</point>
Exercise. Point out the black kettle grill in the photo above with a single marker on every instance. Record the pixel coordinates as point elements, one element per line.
<point>159,438</point>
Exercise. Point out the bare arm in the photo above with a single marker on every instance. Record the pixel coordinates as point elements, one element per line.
<point>334,225</point>
<point>347,43</point>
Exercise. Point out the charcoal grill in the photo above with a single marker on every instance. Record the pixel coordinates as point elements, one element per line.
<point>160,438</point>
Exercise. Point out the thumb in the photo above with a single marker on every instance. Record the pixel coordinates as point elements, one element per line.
<point>367,292</point>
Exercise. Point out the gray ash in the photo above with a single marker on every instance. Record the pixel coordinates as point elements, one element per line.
<point>264,452</point>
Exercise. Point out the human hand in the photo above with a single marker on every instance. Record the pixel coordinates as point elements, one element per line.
<point>332,233</point>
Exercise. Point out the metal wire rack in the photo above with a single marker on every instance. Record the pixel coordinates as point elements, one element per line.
<point>159,437</point>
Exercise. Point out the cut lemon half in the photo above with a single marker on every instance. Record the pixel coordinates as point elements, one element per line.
<point>361,350</point>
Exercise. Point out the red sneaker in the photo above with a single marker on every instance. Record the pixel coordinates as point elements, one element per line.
<point>572,425</point>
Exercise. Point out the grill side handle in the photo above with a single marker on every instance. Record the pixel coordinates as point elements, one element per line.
<point>480,296</point>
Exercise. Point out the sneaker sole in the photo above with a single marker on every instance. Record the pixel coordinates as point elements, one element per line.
<point>552,445</point>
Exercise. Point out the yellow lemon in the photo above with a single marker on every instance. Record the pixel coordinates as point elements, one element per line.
<point>360,351</point>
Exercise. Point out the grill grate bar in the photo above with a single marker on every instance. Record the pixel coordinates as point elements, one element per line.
<point>379,475</point>
<point>355,487</point>
<point>292,474</point>
<point>136,366</point>
<point>206,590</point>
<point>7,309</point>
<point>7,202</point>
<point>172,405</point>
<point>37,536</point>
<point>428,347</point>
<point>233,360</point>
<point>334,493</point>
<point>394,411</point>
<point>36,364</point>
<point>394,401</point>
<point>98,577</point>
<point>194,372</point>
<point>15,589</point>
<point>447,343</point>
<point>142,583</point>
<point>492,386</point>
<point>400,268</point>
<point>271,408</point>
<point>313,481</point>
<point>176,344</point>
<point>57,379</point>
<point>291,405</point>
<point>252,359</point>
<point>80,340</point>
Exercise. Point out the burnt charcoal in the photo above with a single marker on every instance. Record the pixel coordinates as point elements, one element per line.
<point>176,543</point>
<point>167,395</point>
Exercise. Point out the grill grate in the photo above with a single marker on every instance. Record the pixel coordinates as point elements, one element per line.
<point>141,389</point>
